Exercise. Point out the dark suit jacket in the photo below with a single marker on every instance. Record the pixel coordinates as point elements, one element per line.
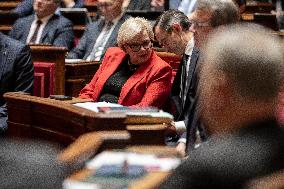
<point>231,161</point>
<point>16,72</point>
<point>25,8</point>
<point>139,5</point>
<point>88,40</point>
<point>191,91</point>
<point>58,31</point>
<point>149,85</point>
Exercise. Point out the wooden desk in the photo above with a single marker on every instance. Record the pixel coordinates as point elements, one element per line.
<point>60,121</point>
<point>46,53</point>
<point>8,5</point>
<point>258,7</point>
<point>264,19</point>
<point>150,180</point>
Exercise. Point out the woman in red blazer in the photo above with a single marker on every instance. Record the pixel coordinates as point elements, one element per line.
<point>131,74</point>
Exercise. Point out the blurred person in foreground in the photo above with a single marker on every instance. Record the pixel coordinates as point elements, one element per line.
<point>238,106</point>
<point>131,74</point>
<point>16,73</point>
<point>32,164</point>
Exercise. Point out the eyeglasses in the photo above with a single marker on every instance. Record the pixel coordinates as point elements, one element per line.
<point>136,47</point>
<point>200,24</point>
<point>104,5</point>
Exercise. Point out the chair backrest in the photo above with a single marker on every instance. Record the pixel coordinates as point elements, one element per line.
<point>172,59</point>
<point>44,79</point>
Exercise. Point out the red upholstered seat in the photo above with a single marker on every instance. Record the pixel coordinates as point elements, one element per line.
<point>172,59</point>
<point>44,79</point>
<point>39,84</point>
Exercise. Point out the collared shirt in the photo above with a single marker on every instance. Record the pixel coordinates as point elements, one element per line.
<point>188,51</point>
<point>187,6</point>
<point>103,36</point>
<point>180,125</point>
<point>44,21</point>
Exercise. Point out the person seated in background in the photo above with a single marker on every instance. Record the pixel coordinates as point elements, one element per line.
<point>131,74</point>
<point>238,106</point>
<point>16,73</point>
<point>101,34</point>
<point>44,27</point>
<point>145,5</point>
<point>25,8</point>
<point>173,32</point>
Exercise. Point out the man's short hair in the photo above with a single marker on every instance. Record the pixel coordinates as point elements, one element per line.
<point>223,11</point>
<point>170,17</point>
<point>251,57</point>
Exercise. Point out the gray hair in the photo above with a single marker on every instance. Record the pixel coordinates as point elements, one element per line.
<point>223,11</point>
<point>251,57</point>
<point>131,28</point>
<point>170,17</point>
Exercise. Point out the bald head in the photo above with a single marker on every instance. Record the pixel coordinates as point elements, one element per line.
<point>251,57</point>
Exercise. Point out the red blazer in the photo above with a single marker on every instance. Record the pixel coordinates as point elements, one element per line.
<point>149,85</point>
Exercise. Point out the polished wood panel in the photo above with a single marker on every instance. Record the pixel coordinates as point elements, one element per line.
<point>46,53</point>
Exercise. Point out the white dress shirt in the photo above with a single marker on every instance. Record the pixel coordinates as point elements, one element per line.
<point>44,21</point>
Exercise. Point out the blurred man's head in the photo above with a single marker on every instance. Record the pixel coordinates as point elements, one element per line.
<point>110,9</point>
<point>172,30</point>
<point>45,8</point>
<point>210,14</point>
<point>27,163</point>
<point>241,77</point>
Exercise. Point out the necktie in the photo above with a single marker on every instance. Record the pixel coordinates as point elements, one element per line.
<point>184,78</point>
<point>100,43</point>
<point>34,36</point>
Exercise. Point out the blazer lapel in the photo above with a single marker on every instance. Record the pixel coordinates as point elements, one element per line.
<point>192,66</point>
<point>113,35</point>
<point>25,31</point>
<point>3,55</point>
<point>44,36</point>
<point>98,27</point>
<point>140,73</point>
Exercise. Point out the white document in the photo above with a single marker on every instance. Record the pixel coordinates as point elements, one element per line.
<point>149,161</point>
<point>93,106</point>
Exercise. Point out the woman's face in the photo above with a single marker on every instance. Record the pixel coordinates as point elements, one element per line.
<point>139,49</point>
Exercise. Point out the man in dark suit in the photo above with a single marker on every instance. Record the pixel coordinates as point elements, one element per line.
<point>44,27</point>
<point>208,15</point>
<point>238,105</point>
<point>101,34</point>
<point>16,72</point>
<point>25,8</point>
<point>172,30</point>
